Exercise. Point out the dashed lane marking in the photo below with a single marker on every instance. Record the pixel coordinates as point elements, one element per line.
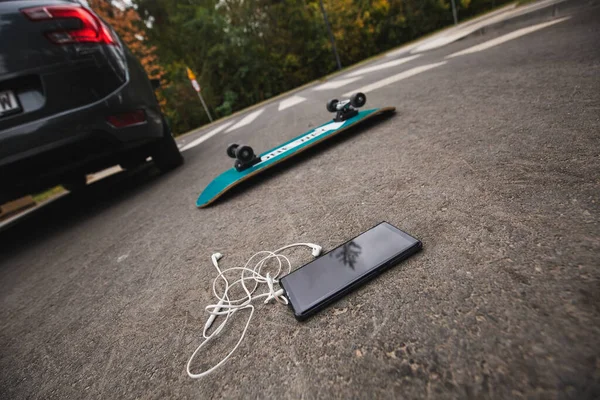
<point>206,136</point>
<point>395,78</point>
<point>505,38</point>
<point>247,120</point>
<point>381,66</point>
<point>337,83</point>
<point>290,101</point>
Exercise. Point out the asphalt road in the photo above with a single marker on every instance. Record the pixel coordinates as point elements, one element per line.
<point>492,160</point>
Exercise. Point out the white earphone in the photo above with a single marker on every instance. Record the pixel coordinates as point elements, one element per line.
<point>227,307</point>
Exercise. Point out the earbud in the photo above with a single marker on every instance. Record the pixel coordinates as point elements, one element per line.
<point>316,250</point>
<point>212,317</point>
<point>215,257</point>
<point>227,306</point>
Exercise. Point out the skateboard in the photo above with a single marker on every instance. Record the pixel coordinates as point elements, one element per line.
<point>247,164</point>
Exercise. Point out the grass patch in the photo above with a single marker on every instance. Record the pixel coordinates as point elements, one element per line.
<point>48,194</point>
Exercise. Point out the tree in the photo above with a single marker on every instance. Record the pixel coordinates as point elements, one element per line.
<point>246,51</point>
<point>128,24</point>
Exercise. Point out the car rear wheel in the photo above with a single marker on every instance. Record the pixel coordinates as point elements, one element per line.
<point>166,155</point>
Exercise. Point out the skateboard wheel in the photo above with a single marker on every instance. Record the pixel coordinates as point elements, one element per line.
<point>332,105</point>
<point>244,153</point>
<point>358,99</point>
<point>231,149</point>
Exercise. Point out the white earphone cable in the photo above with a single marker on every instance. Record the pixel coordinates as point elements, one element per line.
<point>227,307</point>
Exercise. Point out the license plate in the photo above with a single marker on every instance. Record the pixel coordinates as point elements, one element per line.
<point>8,103</point>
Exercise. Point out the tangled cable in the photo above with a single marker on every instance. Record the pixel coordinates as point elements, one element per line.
<point>227,307</point>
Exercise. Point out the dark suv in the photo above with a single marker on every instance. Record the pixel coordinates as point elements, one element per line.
<point>73,100</point>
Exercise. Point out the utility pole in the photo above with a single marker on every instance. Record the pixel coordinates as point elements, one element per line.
<point>331,38</point>
<point>454,14</point>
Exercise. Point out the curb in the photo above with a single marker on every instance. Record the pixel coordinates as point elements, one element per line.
<point>550,11</point>
<point>406,46</point>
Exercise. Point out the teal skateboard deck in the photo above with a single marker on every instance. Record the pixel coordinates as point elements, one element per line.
<point>232,177</point>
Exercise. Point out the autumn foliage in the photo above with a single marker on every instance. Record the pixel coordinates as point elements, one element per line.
<point>128,24</point>
<point>246,51</point>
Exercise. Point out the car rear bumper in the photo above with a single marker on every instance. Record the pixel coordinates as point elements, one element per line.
<point>77,125</point>
<point>78,141</point>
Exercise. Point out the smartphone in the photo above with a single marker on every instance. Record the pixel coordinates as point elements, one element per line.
<point>319,283</point>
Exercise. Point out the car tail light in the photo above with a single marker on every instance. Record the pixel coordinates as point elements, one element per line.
<point>91,29</point>
<point>122,120</point>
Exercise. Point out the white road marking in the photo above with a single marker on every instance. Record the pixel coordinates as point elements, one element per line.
<point>248,119</point>
<point>337,83</point>
<point>421,45</point>
<point>385,65</point>
<point>506,38</point>
<point>395,78</point>
<point>290,101</point>
<point>206,136</point>
<point>453,34</point>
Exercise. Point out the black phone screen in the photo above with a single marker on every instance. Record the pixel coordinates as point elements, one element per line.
<point>330,274</point>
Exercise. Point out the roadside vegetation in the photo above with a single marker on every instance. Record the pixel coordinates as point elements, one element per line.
<point>246,51</point>
<point>48,194</point>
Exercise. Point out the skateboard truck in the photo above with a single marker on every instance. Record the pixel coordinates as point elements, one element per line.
<point>346,109</point>
<point>244,156</point>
